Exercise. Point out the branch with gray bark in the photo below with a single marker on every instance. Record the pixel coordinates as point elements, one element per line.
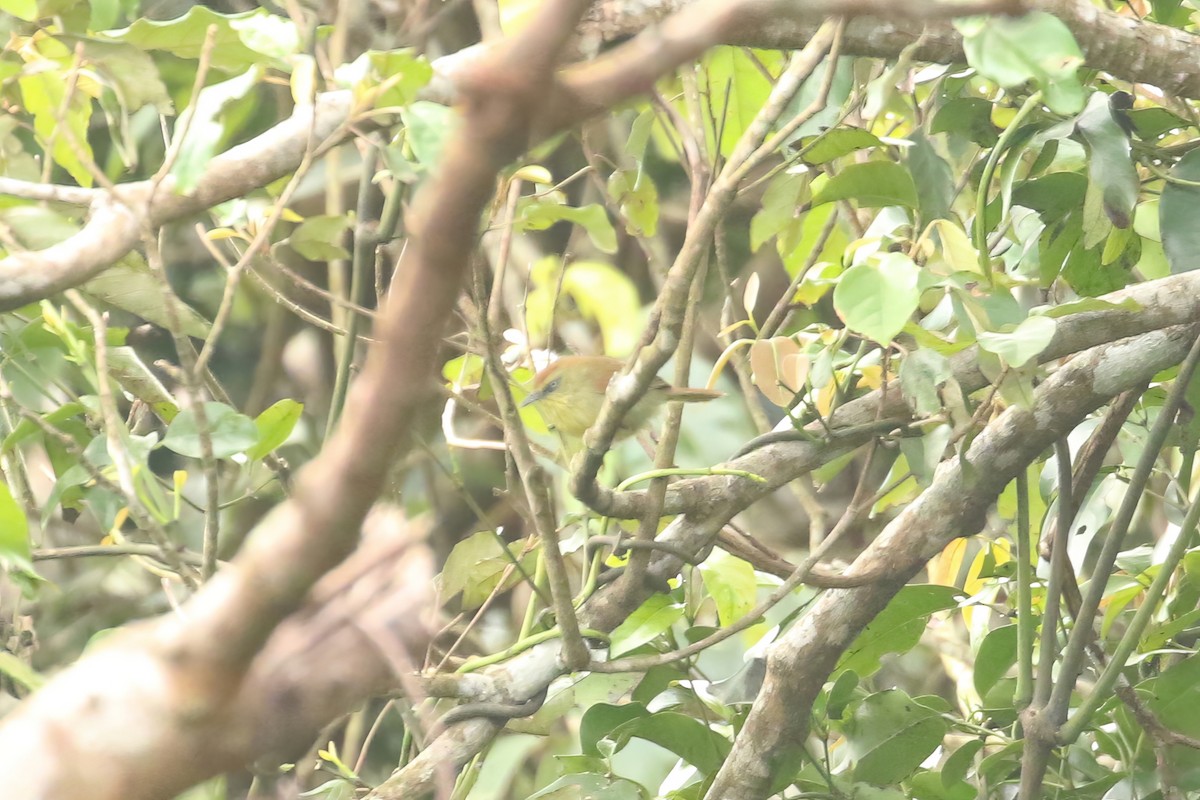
<point>1126,48</point>
<point>181,678</point>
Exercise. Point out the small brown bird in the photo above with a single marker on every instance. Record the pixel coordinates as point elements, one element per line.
<point>570,392</point>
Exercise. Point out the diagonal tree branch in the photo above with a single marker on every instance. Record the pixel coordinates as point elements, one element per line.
<point>184,671</point>
<point>954,505</point>
<point>115,224</point>
<point>1127,48</point>
<point>1148,306</point>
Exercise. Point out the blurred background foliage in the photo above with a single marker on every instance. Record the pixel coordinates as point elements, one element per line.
<point>922,210</point>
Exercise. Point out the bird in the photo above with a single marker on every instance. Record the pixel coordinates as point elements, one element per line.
<point>570,392</point>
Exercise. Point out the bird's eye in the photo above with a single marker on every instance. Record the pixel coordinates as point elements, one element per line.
<point>550,387</point>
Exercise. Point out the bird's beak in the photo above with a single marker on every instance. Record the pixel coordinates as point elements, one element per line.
<point>533,397</point>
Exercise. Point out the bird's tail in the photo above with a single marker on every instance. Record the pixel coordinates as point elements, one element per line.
<point>693,395</point>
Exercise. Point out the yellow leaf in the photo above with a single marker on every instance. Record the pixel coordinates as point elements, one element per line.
<point>870,377</point>
<point>945,566</point>
<point>534,173</point>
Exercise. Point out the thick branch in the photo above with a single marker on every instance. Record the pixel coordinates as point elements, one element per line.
<point>1126,48</point>
<point>77,736</point>
<point>115,225</point>
<point>171,705</point>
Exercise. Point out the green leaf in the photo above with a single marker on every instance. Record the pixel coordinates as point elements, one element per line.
<point>275,425</point>
<point>38,227</point>
<point>205,130</point>
<point>590,785</point>
<point>44,95</point>
<point>601,293</point>
<point>652,619</point>
<point>874,184</point>
<point>1110,167</point>
<point>319,238</point>
<point>601,719</point>
<point>1151,123</point>
<point>956,766</point>
<point>843,84</point>
<point>890,734</point>
<point>230,432</point>
<point>464,370</point>
<point>427,125</point>
<point>898,627</point>
<point>930,785</point>
<point>685,736</point>
<point>130,286</point>
<point>933,178</point>
<point>538,214</point>
<point>476,566</point>
<point>1090,274</point>
<point>926,451</point>
<point>105,14</point>
<point>26,10</point>
<point>1173,696</point>
<point>1087,304</point>
<point>15,549</point>
<point>835,143</point>
<point>242,40</point>
<point>1023,343</point>
<point>636,194</point>
<point>732,82</point>
<point>731,584</point>
<point>967,116</point>
<point>25,428</point>
<point>1179,216</point>
<point>997,652</point>
<point>131,71</point>
<point>403,71</point>
<point>876,299</point>
<point>1053,196</point>
<point>135,377</point>
<point>1034,47</point>
<point>18,671</point>
<point>796,245</point>
<point>778,208</point>
<point>841,693</point>
<point>955,248</point>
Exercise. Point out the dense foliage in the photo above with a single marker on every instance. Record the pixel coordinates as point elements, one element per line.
<point>938,291</point>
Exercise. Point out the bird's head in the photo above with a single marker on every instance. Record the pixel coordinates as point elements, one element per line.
<point>570,391</point>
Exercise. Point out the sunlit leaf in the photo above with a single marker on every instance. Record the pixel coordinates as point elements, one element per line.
<point>872,185</point>
<point>275,425</point>
<point>898,627</point>
<point>1021,344</point>
<point>1034,47</point>
<point>44,95</point>
<point>15,549</point>
<point>205,131</point>
<point>876,299</point>
<point>478,564</point>
<point>230,432</point>
<point>637,196</point>
<point>652,619</point>
<point>403,73</point>
<point>242,40</point>
<point>731,584</point>
<point>320,238</point>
